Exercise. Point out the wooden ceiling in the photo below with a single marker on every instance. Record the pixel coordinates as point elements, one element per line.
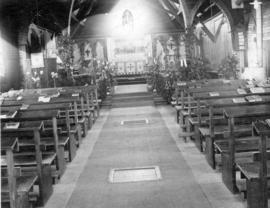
<point>53,14</point>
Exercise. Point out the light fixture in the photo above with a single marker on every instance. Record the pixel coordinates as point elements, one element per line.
<point>199,14</point>
<point>256,4</point>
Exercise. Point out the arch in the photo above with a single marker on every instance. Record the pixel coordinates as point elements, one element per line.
<point>195,9</point>
<point>220,4</point>
<point>225,10</point>
<point>185,13</point>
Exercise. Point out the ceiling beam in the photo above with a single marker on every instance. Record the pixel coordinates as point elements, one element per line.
<point>186,13</point>
<point>195,9</point>
<point>171,10</point>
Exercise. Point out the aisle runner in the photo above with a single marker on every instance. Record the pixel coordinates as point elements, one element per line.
<point>133,146</point>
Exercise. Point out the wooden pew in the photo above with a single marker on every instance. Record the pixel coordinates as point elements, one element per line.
<point>89,93</point>
<point>257,173</point>
<point>248,114</point>
<point>54,96</point>
<point>9,192</point>
<point>54,100</point>
<point>65,142</point>
<point>33,164</point>
<point>204,98</point>
<point>42,115</point>
<point>185,89</point>
<point>222,90</point>
<point>215,108</point>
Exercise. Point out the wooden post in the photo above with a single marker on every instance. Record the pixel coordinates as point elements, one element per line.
<point>11,178</point>
<point>189,104</point>
<point>263,172</point>
<point>182,99</point>
<point>232,151</point>
<point>211,122</point>
<point>177,94</point>
<point>87,102</point>
<point>56,143</point>
<point>76,112</point>
<point>39,161</point>
<point>259,31</point>
<point>199,112</point>
<point>96,96</point>
<point>82,106</point>
<point>69,16</point>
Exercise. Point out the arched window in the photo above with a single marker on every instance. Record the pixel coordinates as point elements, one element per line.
<point>127,21</point>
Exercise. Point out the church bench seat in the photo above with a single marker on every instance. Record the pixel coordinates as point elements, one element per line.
<point>247,113</point>
<point>24,188</point>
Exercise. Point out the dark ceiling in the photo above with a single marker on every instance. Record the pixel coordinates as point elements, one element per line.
<point>53,14</point>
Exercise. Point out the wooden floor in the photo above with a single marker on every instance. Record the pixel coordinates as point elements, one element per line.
<point>187,179</point>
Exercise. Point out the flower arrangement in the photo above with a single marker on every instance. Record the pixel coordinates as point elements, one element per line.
<point>228,68</point>
<point>197,69</point>
<point>54,76</point>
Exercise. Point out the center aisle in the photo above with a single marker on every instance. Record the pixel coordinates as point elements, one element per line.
<point>136,145</point>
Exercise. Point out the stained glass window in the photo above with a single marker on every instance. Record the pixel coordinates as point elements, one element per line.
<point>128,20</point>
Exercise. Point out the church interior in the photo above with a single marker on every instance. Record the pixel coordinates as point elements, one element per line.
<point>135,103</point>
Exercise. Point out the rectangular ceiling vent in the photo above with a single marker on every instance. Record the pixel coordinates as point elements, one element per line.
<point>138,174</point>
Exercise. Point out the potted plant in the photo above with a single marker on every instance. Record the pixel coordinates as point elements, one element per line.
<point>228,68</point>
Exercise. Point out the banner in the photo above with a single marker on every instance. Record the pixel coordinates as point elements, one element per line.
<point>37,60</point>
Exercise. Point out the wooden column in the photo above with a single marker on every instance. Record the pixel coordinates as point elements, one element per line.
<point>11,179</point>
<point>263,172</point>
<point>259,31</point>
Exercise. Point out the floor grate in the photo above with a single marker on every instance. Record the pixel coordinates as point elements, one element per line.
<point>135,122</point>
<point>124,175</point>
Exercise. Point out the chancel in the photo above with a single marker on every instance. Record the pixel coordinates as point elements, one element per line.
<point>135,103</point>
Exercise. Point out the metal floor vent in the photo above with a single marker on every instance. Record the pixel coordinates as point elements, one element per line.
<point>124,175</point>
<point>135,122</point>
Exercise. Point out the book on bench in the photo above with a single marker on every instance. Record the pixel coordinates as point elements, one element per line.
<point>55,95</point>
<point>241,91</point>
<point>226,81</point>
<point>257,90</point>
<point>24,107</point>
<point>13,125</point>
<point>19,98</point>
<point>268,122</point>
<point>181,83</point>
<point>9,115</point>
<point>254,98</point>
<point>239,100</point>
<point>212,94</point>
<point>44,99</point>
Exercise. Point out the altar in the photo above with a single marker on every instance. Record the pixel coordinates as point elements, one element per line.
<point>130,56</point>
<point>128,40</point>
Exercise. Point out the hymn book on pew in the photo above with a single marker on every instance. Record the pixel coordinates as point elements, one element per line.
<point>226,81</point>
<point>254,98</point>
<point>268,122</point>
<point>257,90</point>
<point>241,91</point>
<point>13,125</point>
<point>24,107</point>
<point>213,94</point>
<point>44,99</point>
<point>55,95</point>
<point>19,98</point>
<point>239,100</point>
<point>181,83</point>
<point>9,115</point>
